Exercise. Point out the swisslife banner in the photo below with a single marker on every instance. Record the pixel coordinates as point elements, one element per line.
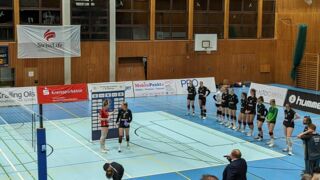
<point>127,85</point>
<point>63,93</point>
<point>48,41</point>
<point>270,92</point>
<point>154,88</point>
<point>304,101</point>
<point>18,96</point>
<point>182,84</point>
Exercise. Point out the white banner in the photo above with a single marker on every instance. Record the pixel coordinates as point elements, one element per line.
<point>18,96</point>
<point>270,92</point>
<point>48,41</point>
<point>154,88</point>
<point>127,85</point>
<point>182,84</point>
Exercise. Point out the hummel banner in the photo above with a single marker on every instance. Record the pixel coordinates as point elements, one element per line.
<point>48,41</point>
<point>304,101</point>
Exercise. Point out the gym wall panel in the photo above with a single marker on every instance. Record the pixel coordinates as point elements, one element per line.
<point>93,65</point>
<point>290,14</point>
<point>236,60</point>
<point>48,71</point>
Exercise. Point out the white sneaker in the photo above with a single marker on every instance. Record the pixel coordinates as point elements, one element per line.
<point>234,128</point>
<point>204,118</point>
<point>285,150</point>
<point>259,139</point>
<point>230,126</point>
<point>119,149</point>
<point>238,128</point>
<point>226,124</point>
<point>193,114</point>
<point>103,150</point>
<point>271,144</point>
<point>290,153</point>
<point>268,143</point>
<point>243,130</point>
<point>249,133</point>
<point>221,123</point>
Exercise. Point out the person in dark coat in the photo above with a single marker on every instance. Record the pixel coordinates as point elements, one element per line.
<point>237,169</point>
<point>113,170</point>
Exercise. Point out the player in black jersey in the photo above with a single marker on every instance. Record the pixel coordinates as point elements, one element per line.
<point>191,96</point>
<point>288,125</point>
<point>251,110</point>
<point>203,93</point>
<point>261,116</point>
<point>123,120</point>
<point>232,104</point>
<point>225,106</point>
<point>242,115</point>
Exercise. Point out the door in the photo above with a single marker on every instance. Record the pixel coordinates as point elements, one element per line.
<point>31,77</point>
<point>131,69</point>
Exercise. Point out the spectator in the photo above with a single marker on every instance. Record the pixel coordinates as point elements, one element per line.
<point>209,177</point>
<point>237,169</point>
<point>311,149</point>
<point>113,170</point>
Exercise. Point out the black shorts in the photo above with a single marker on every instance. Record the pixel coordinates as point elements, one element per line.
<point>203,101</point>
<point>123,126</point>
<point>233,107</point>
<point>261,119</point>
<point>218,105</point>
<point>242,110</point>
<point>191,97</point>
<point>225,105</point>
<point>288,124</point>
<point>251,112</point>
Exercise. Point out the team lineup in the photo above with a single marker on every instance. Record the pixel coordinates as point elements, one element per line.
<point>226,102</point>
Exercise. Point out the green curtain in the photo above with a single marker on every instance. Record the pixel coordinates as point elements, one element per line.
<point>299,50</point>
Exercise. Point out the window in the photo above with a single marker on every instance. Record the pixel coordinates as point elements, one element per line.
<point>6,20</point>
<point>44,12</point>
<point>93,16</point>
<point>132,19</point>
<point>243,18</point>
<point>268,18</point>
<point>209,17</point>
<point>171,19</point>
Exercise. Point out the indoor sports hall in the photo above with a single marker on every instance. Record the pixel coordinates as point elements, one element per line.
<point>159,89</point>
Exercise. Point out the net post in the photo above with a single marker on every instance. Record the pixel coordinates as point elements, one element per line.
<point>41,147</point>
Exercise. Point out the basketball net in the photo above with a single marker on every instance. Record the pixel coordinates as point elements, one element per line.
<point>208,51</point>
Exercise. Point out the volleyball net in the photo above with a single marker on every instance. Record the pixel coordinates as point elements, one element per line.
<point>19,113</point>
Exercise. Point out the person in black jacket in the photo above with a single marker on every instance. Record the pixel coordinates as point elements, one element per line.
<point>123,120</point>
<point>203,92</point>
<point>237,169</point>
<point>191,96</point>
<point>113,170</point>
<point>261,116</point>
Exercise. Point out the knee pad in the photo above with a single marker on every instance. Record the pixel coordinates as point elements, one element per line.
<point>239,122</point>
<point>223,114</point>
<point>260,129</point>
<point>192,106</point>
<point>244,123</point>
<point>250,123</point>
<point>120,139</point>
<point>188,106</point>
<point>270,133</point>
<point>128,138</point>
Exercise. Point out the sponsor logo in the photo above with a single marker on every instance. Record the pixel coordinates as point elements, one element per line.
<point>184,82</point>
<point>292,99</point>
<point>148,84</point>
<point>49,35</point>
<point>270,93</point>
<point>46,92</point>
<point>304,102</point>
<point>16,95</point>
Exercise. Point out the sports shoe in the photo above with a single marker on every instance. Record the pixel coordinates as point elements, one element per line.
<point>243,130</point>
<point>290,153</point>
<point>128,144</point>
<point>221,122</point>
<point>119,149</point>
<point>260,139</point>
<point>193,114</point>
<point>235,128</point>
<point>249,133</point>
<point>285,150</point>
<point>103,150</point>
<point>204,117</point>
<point>271,144</point>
